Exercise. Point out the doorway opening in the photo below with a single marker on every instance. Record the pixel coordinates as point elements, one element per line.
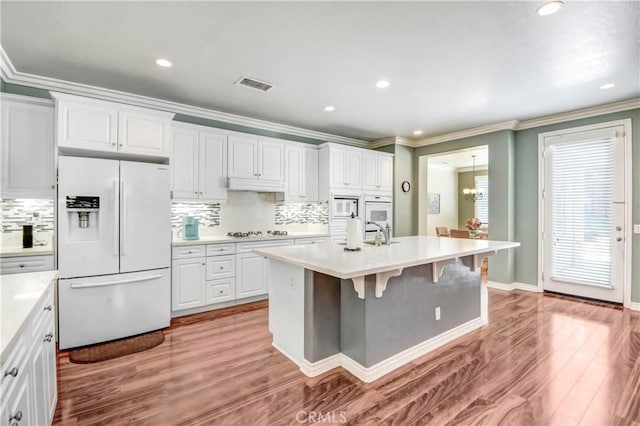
<point>454,188</point>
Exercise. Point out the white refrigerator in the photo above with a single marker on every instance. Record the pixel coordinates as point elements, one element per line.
<point>114,249</point>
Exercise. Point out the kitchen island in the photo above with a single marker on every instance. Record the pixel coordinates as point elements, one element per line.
<point>373,310</point>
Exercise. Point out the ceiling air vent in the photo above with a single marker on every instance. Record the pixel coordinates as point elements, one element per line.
<point>252,83</point>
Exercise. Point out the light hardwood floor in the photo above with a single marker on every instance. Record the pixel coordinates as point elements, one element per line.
<point>542,361</point>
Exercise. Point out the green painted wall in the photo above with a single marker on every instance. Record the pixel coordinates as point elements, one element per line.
<point>466,208</point>
<point>16,89</point>
<point>527,195</point>
<point>501,147</point>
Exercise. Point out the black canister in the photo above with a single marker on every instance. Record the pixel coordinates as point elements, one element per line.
<point>27,236</point>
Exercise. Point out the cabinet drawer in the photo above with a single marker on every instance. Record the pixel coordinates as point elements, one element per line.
<point>247,247</point>
<point>184,252</point>
<point>43,317</point>
<point>220,249</point>
<point>221,267</point>
<point>14,265</point>
<point>221,290</point>
<point>15,365</point>
<point>317,240</point>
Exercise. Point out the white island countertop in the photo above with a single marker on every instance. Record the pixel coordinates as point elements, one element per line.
<point>332,259</point>
<point>19,295</point>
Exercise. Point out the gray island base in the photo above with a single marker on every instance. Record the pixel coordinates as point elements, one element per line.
<point>373,323</point>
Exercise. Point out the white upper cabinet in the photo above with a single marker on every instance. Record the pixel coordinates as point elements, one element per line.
<point>27,148</point>
<point>301,165</point>
<point>185,159</point>
<point>198,164</point>
<point>256,164</point>
<point>90,124</point>
<point>377,172</point>
<point>345,168</point>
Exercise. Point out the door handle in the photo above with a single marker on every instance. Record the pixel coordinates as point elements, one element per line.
<point>109,283</point>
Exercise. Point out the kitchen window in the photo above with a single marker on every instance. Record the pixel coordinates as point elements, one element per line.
<point>482,206</point>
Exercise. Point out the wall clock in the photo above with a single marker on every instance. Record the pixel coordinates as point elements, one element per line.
<point>406,186</point>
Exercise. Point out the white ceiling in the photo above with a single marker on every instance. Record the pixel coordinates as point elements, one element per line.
<point>452,65</point>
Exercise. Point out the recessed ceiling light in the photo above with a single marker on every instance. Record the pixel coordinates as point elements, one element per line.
<point>382,84</point>
<point>329,108</point>
<point>550,7</point>
<point>607,86</point>
<point>163,63</point>
<point>417,132</point>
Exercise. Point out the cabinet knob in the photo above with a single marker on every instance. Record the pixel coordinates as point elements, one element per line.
<point>13,372</point>
<point>221,249</point>
<point>53,186</point>
<point>120,144</point>
<point>113,144</point>
<point>48,308</point>
<point>21,265</point>
<point>196,192</point>
<point>221,268</point>
<point>203,263</point>
<point>200,193</point>
<point>48,337</point>
<point>17,417</point>
<point>221,291</point>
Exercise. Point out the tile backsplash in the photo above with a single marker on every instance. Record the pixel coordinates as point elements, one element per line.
<point>208,214</point>
<point>299,213</point>
<point>18,212</point>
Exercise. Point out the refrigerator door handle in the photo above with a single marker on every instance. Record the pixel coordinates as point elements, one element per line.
<point>109,283</point>
<point>123,219</point>
<point>115,217</point>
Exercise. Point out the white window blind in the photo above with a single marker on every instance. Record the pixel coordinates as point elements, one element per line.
<point>482,206</point>
<point>582,188</point>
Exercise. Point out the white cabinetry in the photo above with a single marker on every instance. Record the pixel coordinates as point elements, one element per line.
<point>301,164</point>
<point>15,265</point>
<point>198,164</point>
<point>256,164</point>
<point>91,124</point>
<point>377,172</point>
<point>29,390</point>
<point>27,151</point>
<point>251,276</point>
<point>345,167</point>
<point>202,275</point>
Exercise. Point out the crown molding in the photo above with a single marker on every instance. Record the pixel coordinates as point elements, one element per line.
<point>11,75</point>
<point>26,99</point>
<point>580,113</point>
<point>474,131</point>
<point>393,140</point>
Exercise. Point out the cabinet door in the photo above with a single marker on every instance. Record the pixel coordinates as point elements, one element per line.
<point>354,169</point>
<point>243,157</point>
<point>92,126</point>
<point>39,367</point>
<point>213,166</point>
<point>370,171</point>
<point>271,161</point>
<point>337,165</point>
<point>385,173</point>
<point>294,186</point>
<point>18,402</point>
<point>51,385</point>
<point>184,164</point>
<point>310,174</point>
<point>187,283</point>
<point>250,275</point>
<point>143,133</point>
<point>27,150</point>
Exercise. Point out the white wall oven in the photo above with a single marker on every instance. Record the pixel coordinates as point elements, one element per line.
<point>377,209</point>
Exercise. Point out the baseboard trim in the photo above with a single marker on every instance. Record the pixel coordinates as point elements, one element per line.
<point>634,306</point>
<point>513,286</point>
<point>369,374</point>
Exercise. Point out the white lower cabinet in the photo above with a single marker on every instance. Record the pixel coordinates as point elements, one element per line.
<point>251,275</point>
<point>202,275</point>
<point>29,389</point>
<point>187,283</point>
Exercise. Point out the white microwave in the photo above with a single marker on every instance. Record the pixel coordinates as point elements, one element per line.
<point>343,207</point>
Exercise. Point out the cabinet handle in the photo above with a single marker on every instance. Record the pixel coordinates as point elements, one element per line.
<point>201,193</point>
<point>196,192</point>
<point>17,417</point>
<point>113,144</point>
<point>120,144</point>
<point>21,265</point>
<point>13,372</point>
<point>48,308</point>
<point>53,186</point>
<point>221,268</point>
<point>48,337</point>
<point>189,252</point>
<point>221,249</point>
<point>221,291</point>
<point>203,263</point>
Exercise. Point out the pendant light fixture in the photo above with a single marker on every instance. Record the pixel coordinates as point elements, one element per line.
<point>472,193</point>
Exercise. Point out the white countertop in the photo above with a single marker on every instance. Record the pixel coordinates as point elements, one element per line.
<point>19,295</point>
<point>225,239</point>
<point>331,259</point>
<point>18,251</point>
